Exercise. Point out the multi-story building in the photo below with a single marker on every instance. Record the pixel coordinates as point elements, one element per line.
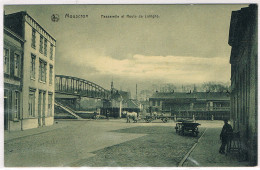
<point>38,70</point>
<point>202,105</point>
<point>13,57</point>
<point>243,40</point>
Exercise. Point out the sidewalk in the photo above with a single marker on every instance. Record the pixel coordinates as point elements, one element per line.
<point>66,144</point>
<point>206,154</point>
<point>20,134</point>
<point>29,132</point>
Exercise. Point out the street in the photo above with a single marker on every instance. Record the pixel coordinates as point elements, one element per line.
<point>102,143</point>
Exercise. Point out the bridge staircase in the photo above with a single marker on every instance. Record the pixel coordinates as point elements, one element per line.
<point>67,109</point>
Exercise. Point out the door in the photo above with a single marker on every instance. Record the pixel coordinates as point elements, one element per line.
<point>43,107</point>
<point>6,110</point>
<point>39,108</point>
<point>7,106</point>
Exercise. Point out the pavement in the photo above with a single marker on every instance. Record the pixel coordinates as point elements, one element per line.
<point>11,135</point>
<point>63,143</point>
<point>203,154</point>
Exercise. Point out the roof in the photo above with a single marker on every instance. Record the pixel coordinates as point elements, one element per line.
<point>132,103</point>
<point>23,13</point>
<point>192,95</point>
<point>14,34</point>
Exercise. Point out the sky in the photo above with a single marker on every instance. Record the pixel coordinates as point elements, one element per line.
<point>183,44</point>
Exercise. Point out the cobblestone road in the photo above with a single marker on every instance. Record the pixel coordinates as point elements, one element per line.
<point>100,143</point>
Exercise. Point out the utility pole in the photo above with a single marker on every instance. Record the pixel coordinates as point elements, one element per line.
<point>112,85</point>
<point>120,106</point>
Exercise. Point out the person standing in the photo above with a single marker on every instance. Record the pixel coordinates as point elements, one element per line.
<point>225,136</point>
<point>107,115</point>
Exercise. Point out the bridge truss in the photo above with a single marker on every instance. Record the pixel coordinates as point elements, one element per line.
<point>80,87</point>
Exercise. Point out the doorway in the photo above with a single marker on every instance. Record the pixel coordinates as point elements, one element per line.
<point>40,109</point>
<point>6,108</point>
<point>43,107</point>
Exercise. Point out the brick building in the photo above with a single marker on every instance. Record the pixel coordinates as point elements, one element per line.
<point>243,40</point>
<point>37,75</point>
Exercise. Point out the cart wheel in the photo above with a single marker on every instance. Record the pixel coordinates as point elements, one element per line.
<point>176,129</point>
<point>179,129</point>
<point>195,134</point>
<point>196,131</point>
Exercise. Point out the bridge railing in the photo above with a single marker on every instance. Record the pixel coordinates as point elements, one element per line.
<point>76,86</point>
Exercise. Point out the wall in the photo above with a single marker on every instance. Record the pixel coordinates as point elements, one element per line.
<point>12,83</point>
<point>244,79</point>
<point>35,83</point>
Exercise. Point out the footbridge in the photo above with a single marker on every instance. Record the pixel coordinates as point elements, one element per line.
<point>69,91</point>
<point>78,87</point>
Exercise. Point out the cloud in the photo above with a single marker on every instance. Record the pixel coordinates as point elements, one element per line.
<point>185,69</point>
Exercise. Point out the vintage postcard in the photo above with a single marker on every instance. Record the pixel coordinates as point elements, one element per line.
<point>130,85</point>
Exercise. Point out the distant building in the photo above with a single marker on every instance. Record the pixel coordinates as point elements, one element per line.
<point>13,60</point>
<point>203,105</point>
<point>243,38</point>
<point>120,101</point>
<point>37,75</point>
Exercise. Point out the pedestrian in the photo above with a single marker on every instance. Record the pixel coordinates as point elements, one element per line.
<point>107,115</point>
<point>225,136</point>
<point>95,115</point>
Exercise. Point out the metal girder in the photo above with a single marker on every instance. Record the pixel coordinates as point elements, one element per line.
<point>80,87</point>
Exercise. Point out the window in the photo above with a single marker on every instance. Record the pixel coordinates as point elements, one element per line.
<point>42,71</point>
<point>32,103</point>
<point>16,105</point>
<point>6,61</point>
<point>51,52</point>
<point>41,44</point>
<point>17,65</point>
<point>33,38</point>
<point>45,47</point>
<point>51,74</point>
<point>32,66</point>
<point>50,104</point>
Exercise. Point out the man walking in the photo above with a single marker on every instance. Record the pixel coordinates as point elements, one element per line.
<point>225,135</point>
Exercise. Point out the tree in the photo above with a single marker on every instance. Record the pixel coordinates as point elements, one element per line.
<point>214,87</point>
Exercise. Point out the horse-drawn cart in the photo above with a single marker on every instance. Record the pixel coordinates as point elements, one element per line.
<point>189,127</point>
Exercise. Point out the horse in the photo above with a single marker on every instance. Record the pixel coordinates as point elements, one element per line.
<point>131,115</point>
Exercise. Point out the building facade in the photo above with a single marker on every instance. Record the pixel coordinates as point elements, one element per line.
<point>13,57</point>
<point>202,105</point>
<point>38,70</point>
<point>243,38</point>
